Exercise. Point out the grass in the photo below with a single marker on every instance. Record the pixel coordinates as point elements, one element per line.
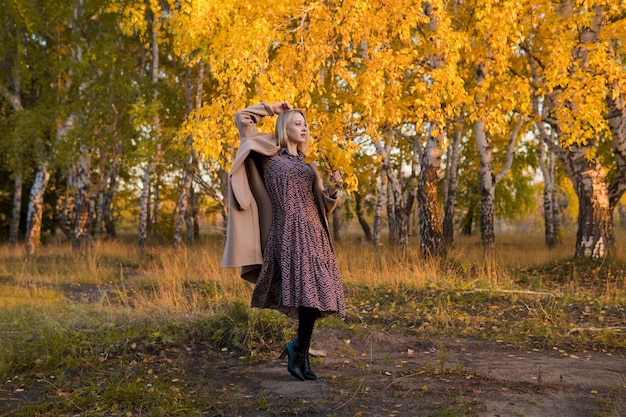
<point>110,331</point>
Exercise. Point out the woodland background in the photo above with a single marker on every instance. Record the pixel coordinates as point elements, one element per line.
<point>453,123</point>
<point>444,116</point>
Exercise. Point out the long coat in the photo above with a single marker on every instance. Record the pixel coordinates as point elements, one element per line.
<point>249,205</point>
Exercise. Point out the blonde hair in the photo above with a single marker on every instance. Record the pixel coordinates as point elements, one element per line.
<point>282,123</point>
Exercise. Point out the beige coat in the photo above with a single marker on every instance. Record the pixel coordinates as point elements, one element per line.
<point>249,205</point>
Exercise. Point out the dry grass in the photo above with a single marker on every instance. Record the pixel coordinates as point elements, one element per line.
<point>191,280</point>
<point>59,264</point>
<point>70,314</point>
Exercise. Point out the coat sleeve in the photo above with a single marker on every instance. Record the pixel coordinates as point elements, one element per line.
<point>246,119</point>
<point>249,139</point>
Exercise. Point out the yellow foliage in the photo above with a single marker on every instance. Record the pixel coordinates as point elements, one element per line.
<point>360,68</point>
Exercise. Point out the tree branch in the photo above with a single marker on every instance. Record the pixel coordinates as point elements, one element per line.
<point>510,151</point>
<point>15,101</point>
<point>595,329</point>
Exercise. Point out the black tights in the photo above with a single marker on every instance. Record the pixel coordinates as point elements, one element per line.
<point>306,321</point>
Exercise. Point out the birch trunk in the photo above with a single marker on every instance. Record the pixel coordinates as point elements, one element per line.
<point>194,213</point>
<point>594,237</point>
<point>398,219</point>
<point>144,205</point>
<point>189,220</point>
<point>190,165</point>
<point>551,208</point>
<point>15,99</point>
<point>550,205</point>
<point>487,187</point>
<point>412,188</point>
<point>144,200</point>
<point>110,188</point>
<point>595,226</point>
<point>156,207</point>
<point>617,123</point>
<point>183,196</point>
<point>392,220</point>
<point>100,200</point>
<point>431,227</point>
<point>107,212</point>
<point>183,203</point>
<point>14,230</point>
<point>361,217</point>
<point>546,154</point>
<point>411,196</point>
<point>80,235</point>
<point>65,223</point>
<point>35,203</point>
<point>451,184</point>
<point>429,213</point>
<point>378,209</point>
<point>489,180</point>
<point>35,209</point>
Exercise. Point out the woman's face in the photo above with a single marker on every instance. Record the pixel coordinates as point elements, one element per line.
<point>297,129</point>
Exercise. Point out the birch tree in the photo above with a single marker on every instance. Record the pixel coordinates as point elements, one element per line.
<point>451,181</point>
<point>578,78</point>
<point>190,159</point>
<point>16,22</point>
<point>36,87</point>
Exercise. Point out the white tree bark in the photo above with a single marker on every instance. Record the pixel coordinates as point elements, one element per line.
<point>430,219</point>
<point>451,183</point>
<point>82,223</point>
<point>489,180</point>
<point>35,209</point>
<point>190,166</point>
<point>144,200</point>
<point>378,209</point>
<point>398,219</point>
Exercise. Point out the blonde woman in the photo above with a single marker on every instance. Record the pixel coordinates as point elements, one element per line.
<point>298,272</point>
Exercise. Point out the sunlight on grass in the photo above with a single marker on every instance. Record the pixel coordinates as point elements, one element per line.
<point>188,280</point>
<point>56,264</point>
<point>112,314</point>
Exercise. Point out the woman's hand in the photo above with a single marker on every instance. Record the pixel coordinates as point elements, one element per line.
<point>280,107</point>
<point>336,178</point>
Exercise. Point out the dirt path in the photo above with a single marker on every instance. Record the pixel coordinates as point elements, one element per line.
<point>381,374</point>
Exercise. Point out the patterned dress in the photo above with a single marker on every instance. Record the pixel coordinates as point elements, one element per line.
<point>299,261</point>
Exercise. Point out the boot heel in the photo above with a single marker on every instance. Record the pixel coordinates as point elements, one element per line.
<point>294,361</point>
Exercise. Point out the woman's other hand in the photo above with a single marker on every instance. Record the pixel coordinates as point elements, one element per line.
<point>280,107</point>
<point>336,178</point>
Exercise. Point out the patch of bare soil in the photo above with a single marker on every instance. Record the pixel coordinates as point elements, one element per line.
<point>384,374</point>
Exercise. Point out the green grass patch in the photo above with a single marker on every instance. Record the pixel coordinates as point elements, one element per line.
<point>111,331</point>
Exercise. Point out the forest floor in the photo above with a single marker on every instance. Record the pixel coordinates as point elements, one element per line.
<point>553,344</point>
<point>376,374</point>
<point>385,374</point>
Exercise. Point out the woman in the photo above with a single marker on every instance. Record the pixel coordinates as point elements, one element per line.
<point>298,274</point>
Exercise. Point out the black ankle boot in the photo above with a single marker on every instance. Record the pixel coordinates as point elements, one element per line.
<point>296,353</point>
<point>307,373</point>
